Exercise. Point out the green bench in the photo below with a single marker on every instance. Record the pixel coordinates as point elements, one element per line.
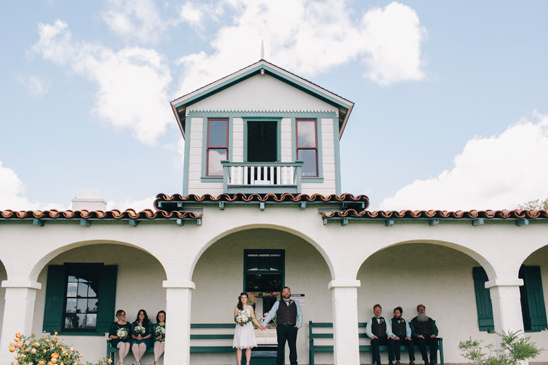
<point>262,355</point>
<point>315,333</point>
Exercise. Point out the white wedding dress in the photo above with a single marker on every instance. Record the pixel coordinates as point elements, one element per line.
<point>244,336</point>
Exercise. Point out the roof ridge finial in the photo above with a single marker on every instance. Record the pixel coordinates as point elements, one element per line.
<point>262,49</point>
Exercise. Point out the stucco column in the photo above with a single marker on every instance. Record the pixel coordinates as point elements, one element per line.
<point>18,313</point>
<point>506,301</point>
<point>178,302</point>
<point>345,321</point>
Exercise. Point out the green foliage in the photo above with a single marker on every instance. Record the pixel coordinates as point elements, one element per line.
<point>535,205</point>
<point>514,347</point>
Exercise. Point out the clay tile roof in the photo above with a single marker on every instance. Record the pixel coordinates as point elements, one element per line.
<point>53,214</point>
<point>417,214</point>
<point>270,197</point>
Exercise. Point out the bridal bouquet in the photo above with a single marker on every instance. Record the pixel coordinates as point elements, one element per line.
<point>138,330</point>
<point>122,333</point>
<point>242,318</point>
<point>160,331</point>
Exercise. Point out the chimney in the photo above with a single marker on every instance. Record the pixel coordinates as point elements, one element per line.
<point>89,200</point>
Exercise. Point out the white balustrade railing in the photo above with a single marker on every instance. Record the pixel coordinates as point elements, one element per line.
<point>255,175</point>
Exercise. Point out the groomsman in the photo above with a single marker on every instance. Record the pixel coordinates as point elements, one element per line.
<point>380,332</point>
<point>402,336</point>
<point>290,319</point>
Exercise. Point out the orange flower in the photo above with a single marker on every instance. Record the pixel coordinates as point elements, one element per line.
<point>41,362</point>
<point>18,335</point>
<point>19,344</point>
<point>54,355</point>
<point>12,348</point>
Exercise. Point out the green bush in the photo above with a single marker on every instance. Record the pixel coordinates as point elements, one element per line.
<point>514,347</point>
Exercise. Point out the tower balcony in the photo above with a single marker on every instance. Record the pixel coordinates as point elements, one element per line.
<point>262,177</point>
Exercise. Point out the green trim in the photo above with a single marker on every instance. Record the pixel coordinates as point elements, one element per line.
<point>312,179</point>
<point>337,144</point>
<point>263,119</point>
<point>186,166</point>
<point>211,178</point>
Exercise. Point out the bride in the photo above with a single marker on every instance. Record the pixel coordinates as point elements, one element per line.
<point>244,336</point>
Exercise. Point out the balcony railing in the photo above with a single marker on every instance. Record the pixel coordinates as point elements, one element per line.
<point>262,177</point>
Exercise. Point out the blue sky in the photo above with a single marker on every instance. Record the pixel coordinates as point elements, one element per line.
<point>451,96</point>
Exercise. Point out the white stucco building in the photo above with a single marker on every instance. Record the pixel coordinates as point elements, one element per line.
<point>262,207</point>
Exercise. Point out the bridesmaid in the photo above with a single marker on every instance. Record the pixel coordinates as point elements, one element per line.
<point>159,332</point>
<point>120,335</point>
<point>141,331</point>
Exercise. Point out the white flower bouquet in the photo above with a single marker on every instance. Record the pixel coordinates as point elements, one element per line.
<point>242,318</point>
<point>160,331</point>
<point>138,330</point>
<point>122,333</point>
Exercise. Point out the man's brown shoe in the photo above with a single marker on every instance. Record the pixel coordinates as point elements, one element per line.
<point>397,362</point>
<point>432,362</point>
<point>411,363</point>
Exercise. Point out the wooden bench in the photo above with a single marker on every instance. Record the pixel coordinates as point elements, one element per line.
<point>326,334</point>
<point>112,350</point>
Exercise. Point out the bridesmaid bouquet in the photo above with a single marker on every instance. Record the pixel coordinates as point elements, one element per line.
<point>122,333</point>
<point>160,331</point>
<point>242,318</point>
<point>138,330</point>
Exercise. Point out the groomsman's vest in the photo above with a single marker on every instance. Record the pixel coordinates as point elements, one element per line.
<point>398,327</point>
<point>287,314</point>
<point>424,328</point>
<point>378,329</point>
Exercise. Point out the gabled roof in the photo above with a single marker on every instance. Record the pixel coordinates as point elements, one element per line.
<point>344,106</point>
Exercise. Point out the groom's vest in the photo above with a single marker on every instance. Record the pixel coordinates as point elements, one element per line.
<point>287,314</point>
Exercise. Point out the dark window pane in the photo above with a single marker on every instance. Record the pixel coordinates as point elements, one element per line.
<point>92,305</point>
<point>91,321</point>
<point>91,292</point>
<point>306,134</point>
<point>71,289</point>
<point>309,159</point>
<point>71,322</point>
<point>215,156</point>
<point>71,306</point>
<point>263,282</point>
<point>218,133</point>
<point>82,306</point>
<point>81,320</point>
<point>82,290</point>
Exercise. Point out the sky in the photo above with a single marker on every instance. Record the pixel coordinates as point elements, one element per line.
<point>451,97</point>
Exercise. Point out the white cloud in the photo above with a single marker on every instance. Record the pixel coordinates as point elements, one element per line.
<point>132,83</point>
<point>499,172</point>
<point>135,19</point>
<point>12,195</point>
<point>392,39</point>
<point>307,37</point>
<point>137,205</point>
<point>35,85</point>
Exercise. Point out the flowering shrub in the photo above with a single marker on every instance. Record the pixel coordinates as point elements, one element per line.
<point>47,350</point>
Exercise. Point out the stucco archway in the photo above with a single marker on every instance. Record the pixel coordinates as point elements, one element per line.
<point>438,275</point>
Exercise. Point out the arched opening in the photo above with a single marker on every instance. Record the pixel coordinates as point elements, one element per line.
<point>435,275</point>
<point>82,288</point>
<point>226,269</point>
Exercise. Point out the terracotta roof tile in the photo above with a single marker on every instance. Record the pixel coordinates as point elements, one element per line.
<point>416,214</point>
<point>270,197</point>
<point>98,214</point>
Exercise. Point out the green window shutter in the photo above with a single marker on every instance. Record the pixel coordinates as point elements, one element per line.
<point>483,300</point>
<point>55,299</point>
<point>107,298</point>
<point>535,297</point>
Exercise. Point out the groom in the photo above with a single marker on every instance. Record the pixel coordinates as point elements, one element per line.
<point>290,319</point>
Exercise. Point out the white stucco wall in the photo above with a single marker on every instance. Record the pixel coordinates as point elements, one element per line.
<point>321,254</point>
<point>219,280</point>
